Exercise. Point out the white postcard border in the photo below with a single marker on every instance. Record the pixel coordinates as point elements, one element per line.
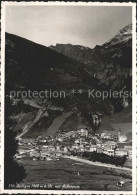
<point>10,191</point>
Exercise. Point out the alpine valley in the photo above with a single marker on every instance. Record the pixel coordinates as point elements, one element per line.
<point>64,67</point>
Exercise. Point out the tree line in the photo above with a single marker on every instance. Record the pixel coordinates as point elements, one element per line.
<point>103,158</point>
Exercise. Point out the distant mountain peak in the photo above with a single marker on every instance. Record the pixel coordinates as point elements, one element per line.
<point>90,56</point>
<point>122,36</point>
<point>126,29</point>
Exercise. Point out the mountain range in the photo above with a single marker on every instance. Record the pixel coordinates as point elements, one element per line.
<point>65,67</point>
<point>111,61</point>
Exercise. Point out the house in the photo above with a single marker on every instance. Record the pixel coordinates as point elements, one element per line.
<point>121,183</point>
<point>81,148</point>
<point>44,154</point>
<point>123,144</point>
<point>109,145</point>
<point>45,147</point>
<point>75,146</point>
<point>74,135</point>
<point>43,140</point>
<point>99,145</point>
<point>93,148</point>
<point>34,154</point>
<point>98,141</point>
<point>20,156</point>
<point>84,132</point>
<point>105,152</point>
<point>58,154</point>
<point>90,136</point>
<point>85,143</point>
<point>58,147</point>
<point>106,136</point>
<point>82,139</point>
<point>111,152</point>
<point>129,149</point>
<point>65,150</point>
<point>121,152</point>
<point>99,150</point>
<point>60,139</point>
<point>77,141</point>
<point>87,146</point>
<point>51,148</point>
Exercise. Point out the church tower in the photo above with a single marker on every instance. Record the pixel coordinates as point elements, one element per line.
<point>119,134</point>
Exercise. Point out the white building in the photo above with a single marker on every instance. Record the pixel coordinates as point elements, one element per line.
<point>43,140</point>
<point>129,149</point>
<point>75,146</point>
<point>109,145</point>
<point>58,147</point>
<point>77,141</point>
<point>45,146</point>
<point>106,136</point>
<point>65,150</point>
<point>111,152</point>
<point>81,148</point>
<point>35,154</point>
<point>60,139</point>
<point>93,148</point>
<point>121,138</point>
<point>121,152</point>
<point>84,132</point>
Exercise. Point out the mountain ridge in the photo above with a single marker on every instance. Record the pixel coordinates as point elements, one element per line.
<point>86,54</point>
<point>32,66</point>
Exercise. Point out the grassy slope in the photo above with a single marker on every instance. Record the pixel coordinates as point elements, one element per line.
<point>62,172</point>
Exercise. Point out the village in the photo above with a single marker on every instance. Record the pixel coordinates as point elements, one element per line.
<point>51,148</point>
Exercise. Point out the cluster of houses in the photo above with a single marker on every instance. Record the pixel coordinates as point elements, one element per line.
<point>53,147</point>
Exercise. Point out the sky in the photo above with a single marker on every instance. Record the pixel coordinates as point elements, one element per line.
<point>79,25</point>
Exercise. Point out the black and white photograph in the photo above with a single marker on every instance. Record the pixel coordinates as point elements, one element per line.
<point>68,110</point>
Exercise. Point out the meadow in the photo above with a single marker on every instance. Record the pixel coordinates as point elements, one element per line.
<point>72,175</point>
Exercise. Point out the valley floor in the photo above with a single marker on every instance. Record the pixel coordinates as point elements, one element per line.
<point>65,174</point>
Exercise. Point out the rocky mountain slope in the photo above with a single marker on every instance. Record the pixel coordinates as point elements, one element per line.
<point>111,62</point>
<point>77,52</point>
<point>30,66</point>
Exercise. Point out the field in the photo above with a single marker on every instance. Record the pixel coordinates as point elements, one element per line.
<point>67,174</point>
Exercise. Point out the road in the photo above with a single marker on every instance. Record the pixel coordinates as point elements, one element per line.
<point>96,163</point>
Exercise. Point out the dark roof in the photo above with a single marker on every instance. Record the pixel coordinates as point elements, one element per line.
<point>121,145</point>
